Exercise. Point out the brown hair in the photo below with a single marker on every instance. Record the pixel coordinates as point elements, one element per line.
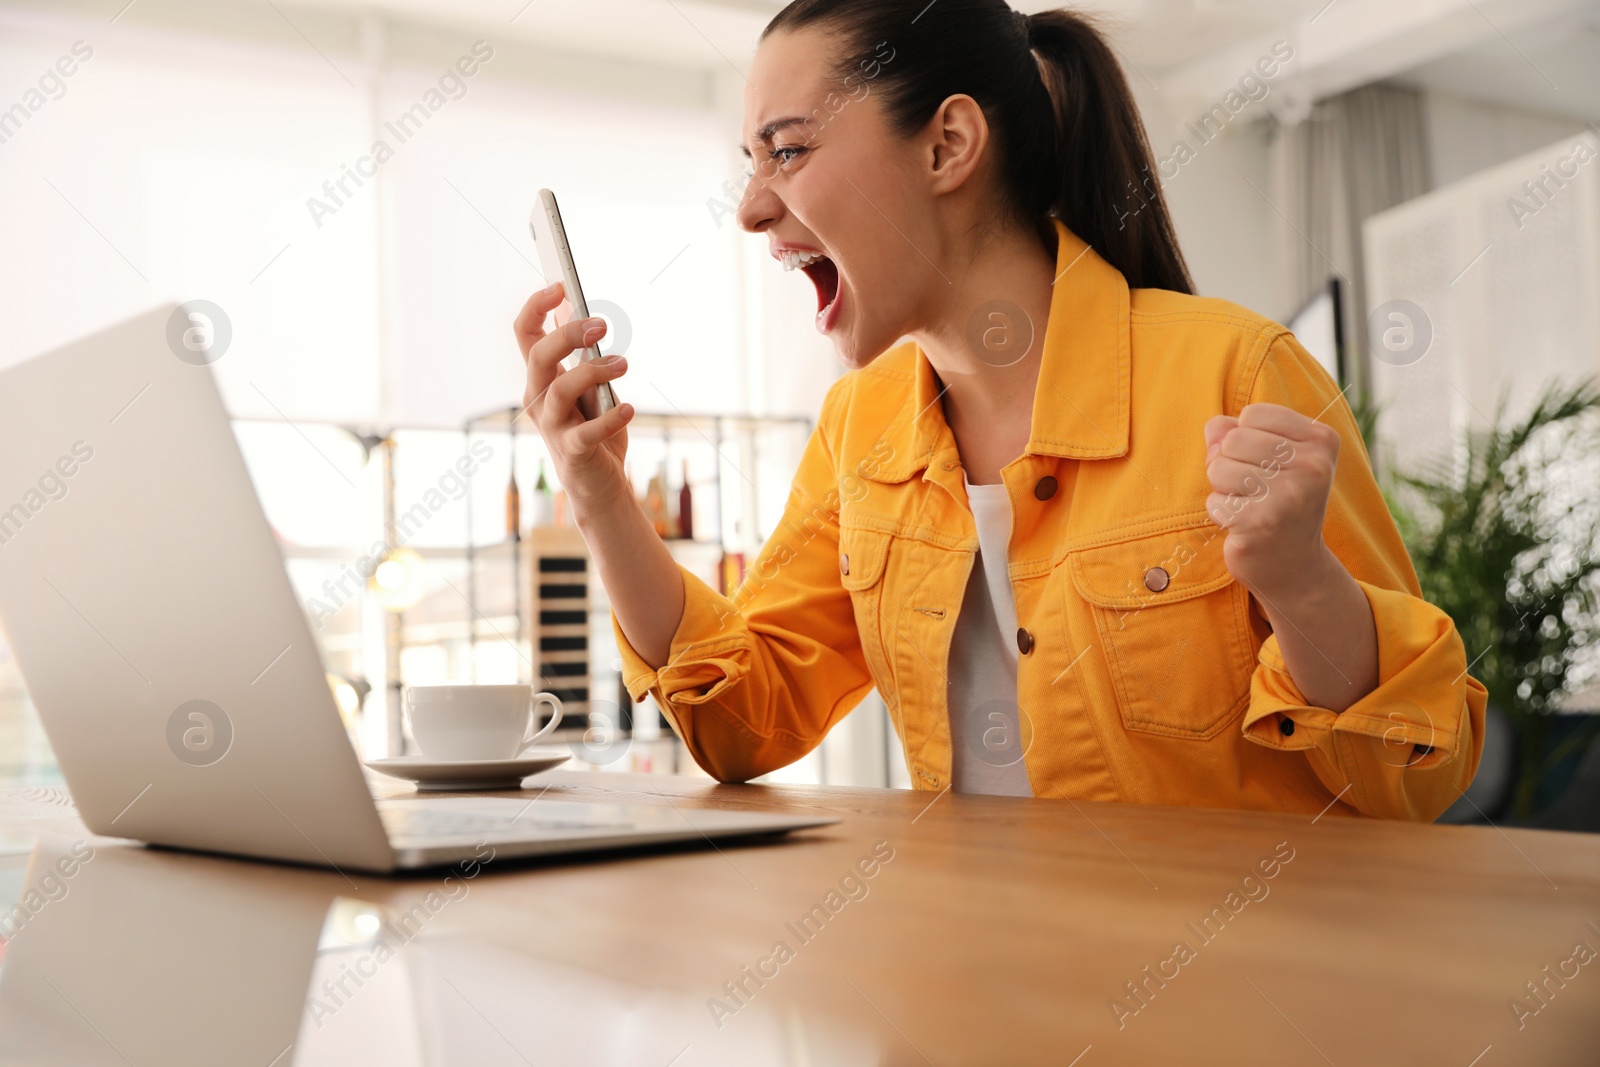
<point>1065,126</point>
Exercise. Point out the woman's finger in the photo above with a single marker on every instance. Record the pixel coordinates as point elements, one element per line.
<point>1224,509</point>
<point>1249,445</point>
<point>1216,428</point>
<point>1237,477</point>
<point>529,328</point>
<point>562,396</point>
<point>531,396</point>
<point>592,433</point>
<point>1281,420</point>
<point>557,345</point>
<point>529,323</point>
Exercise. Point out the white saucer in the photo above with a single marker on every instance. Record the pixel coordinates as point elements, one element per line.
<point>469,774</point>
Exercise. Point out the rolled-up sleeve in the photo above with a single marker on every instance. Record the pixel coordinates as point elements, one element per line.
<point>755,681</point>
<point>1410,747</point>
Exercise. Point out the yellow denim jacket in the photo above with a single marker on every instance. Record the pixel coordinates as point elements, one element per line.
<point>1131,686</point>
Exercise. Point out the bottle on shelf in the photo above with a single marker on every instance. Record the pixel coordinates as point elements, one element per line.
<point>513,508</point>
<point>655,502</point>
<point>544,504</point>
<point>685,507</point>
<point>669,514</point>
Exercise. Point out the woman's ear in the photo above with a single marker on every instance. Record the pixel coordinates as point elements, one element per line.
<point>956,136</point>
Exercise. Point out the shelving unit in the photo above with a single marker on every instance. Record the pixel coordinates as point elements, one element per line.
<point>477,619</point>
<point>734,502</point>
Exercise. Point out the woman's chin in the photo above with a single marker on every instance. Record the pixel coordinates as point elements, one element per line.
<point>852,352</point>
<point>852,357</point>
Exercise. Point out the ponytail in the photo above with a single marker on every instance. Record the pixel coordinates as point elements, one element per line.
<point>1105,188</point>
<point>1066,131</point>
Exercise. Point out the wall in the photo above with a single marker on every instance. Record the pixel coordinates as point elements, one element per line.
<point>1466,136</point>
<point>1227,228</point>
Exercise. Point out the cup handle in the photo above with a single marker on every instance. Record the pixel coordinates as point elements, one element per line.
<point>555,717</point>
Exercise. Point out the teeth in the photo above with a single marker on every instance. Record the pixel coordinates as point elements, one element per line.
<point>792,260</point>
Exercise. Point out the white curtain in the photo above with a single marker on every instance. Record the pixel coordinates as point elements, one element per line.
<point>1357,154</point>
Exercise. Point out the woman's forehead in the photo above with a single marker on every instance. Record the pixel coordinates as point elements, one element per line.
<point>789,80</point>
<point>789,70</point>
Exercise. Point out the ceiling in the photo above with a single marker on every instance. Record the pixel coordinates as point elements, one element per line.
<point>1154,33</point>
<point>1551,66</point>
<point>1538,54</point>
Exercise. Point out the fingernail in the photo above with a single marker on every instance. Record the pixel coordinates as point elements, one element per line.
<point>616,359</point>
<point>1211,453</point>
<point>550,288</point>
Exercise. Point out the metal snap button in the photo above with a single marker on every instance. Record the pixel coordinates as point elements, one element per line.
<point>1024,641</point>
<point>1044,488</point>
<point>1156,579</point>
<point>844,563</point>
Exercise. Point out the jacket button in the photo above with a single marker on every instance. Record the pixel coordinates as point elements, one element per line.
<point>844,563</point>
<point>1286,726</point>
<point>1044,488</point>
<point>1024,641</point>
<point>1156,579</point>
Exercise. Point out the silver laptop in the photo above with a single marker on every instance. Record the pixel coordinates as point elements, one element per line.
<point>138,575</point>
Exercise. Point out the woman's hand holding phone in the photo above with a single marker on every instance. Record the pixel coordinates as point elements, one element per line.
<point>643,581</point>
<point>587,453</point>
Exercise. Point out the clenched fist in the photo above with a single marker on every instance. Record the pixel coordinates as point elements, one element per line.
<point>1271,471</point>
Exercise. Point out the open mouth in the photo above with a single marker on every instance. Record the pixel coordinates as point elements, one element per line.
<point>824,275</point>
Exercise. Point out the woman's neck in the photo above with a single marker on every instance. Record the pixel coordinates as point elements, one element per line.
<point>980,323</point>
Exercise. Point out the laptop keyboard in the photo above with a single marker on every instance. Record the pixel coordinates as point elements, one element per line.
<point>412,820</point>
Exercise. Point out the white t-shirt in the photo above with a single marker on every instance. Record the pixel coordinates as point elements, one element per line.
<point>985,738</point>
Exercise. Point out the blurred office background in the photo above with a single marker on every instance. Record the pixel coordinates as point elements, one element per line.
<point>1413,187</point>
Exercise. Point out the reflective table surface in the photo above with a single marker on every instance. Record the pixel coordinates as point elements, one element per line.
<point>923,929</point>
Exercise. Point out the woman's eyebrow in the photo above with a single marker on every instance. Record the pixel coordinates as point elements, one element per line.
<point>764,134</point>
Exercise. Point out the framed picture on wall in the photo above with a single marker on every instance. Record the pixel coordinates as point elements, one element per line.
<point>1319,326</point>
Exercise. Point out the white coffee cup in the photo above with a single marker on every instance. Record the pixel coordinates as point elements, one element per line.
<point>477,722</point>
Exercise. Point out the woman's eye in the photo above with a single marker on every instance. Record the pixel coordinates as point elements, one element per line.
<point>780,155</point>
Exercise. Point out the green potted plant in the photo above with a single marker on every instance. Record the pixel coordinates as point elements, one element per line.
<point>1503,540</point>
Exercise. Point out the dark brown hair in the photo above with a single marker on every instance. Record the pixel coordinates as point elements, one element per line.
<point>1067,134</point>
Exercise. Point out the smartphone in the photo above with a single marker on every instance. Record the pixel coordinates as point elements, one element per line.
<point>555,259</point>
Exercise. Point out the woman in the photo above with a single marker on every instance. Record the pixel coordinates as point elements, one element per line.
<point>1089,535</point>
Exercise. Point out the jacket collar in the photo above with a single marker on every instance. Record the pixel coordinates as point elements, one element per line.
<point>1080,407</point>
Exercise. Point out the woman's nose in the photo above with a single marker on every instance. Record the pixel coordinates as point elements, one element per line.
<point>758,205</point>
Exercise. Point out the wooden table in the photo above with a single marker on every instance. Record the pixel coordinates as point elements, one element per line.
<point>1004,931</point>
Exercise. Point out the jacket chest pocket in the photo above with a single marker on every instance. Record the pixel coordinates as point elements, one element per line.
<point>863,562</point>
<point>1173,625</point>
